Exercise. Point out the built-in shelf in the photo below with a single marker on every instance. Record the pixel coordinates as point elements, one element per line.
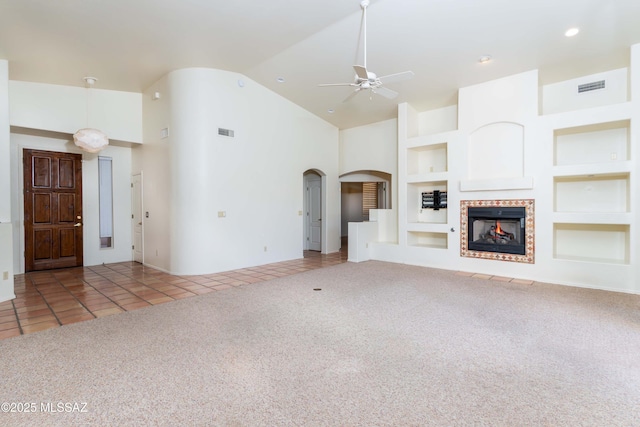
<point>595,143</point>
<point>592,193</point>
<point>427,159</point>
<point>424,155</point>
<point>602,243</point>
<point>427,239</point>
<point>415,212</point>
<point>610,168</point>
<point>574,156</point>
<point>427,177</point>
<point>593,217</point>
<point>428,227</point>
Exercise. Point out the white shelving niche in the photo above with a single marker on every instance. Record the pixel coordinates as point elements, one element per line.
<point>423,168</point>
<point>592,193</point>
<point>415,212</point>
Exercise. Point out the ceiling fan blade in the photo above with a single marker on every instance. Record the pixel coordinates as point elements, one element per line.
<point>338,84</point>
<point>354,93</point>
<point>398,77</point>
<point>361,72</point>
<point>387,93</point>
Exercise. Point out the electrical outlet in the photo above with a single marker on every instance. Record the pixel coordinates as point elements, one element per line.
<point>222,214</point>
<point>614,156</point>
<point>5,275</point>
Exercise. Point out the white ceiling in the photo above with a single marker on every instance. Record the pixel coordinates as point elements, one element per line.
<point>129,44</point>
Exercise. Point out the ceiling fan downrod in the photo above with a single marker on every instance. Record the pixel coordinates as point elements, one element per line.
<point>364,4</point>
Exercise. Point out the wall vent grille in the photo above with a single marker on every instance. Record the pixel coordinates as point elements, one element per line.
<point>225,132</point>
<point>588,87</point>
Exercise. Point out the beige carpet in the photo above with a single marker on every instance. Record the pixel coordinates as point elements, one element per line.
<point>379,345</point>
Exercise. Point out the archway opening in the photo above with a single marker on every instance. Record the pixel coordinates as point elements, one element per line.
<point>362,191</point>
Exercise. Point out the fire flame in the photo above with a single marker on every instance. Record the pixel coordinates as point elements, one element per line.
<point>498,229</point>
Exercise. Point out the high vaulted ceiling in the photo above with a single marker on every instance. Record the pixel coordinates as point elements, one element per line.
<point>129,44</point>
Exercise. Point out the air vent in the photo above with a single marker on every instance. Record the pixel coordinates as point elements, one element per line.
<point>587,87</point>
<point>225,132</point>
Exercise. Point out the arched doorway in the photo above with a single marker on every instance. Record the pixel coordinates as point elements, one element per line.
<point>314,208</point>
<point>360,192</point>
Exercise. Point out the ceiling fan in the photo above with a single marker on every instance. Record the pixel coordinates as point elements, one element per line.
<point>367,80</point>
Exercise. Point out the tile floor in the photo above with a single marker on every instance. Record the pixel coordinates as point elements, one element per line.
<point>496,278</point>
<point>49,299</point>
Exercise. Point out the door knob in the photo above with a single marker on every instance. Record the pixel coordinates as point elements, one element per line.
<point>77,224</point>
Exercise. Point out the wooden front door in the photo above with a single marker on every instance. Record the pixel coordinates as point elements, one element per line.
<point>52,210</point>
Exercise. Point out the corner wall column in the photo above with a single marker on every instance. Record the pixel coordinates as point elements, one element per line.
<point>6,230</point>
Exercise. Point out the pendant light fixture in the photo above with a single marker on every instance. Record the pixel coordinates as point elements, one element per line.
<point>89,139</point>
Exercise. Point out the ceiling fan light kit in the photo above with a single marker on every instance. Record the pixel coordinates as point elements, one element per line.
<point>368,80</point>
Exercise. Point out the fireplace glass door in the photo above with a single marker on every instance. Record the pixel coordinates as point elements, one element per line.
<point>497,229</point>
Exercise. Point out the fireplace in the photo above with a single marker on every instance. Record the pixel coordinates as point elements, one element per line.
<point>497,229</point>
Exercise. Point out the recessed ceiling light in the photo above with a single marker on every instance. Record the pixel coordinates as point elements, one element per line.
<point>572,32</point>
<point>280,79</point>
<point>90,81</point>
<point>484,59</point>
<point>330,110</point>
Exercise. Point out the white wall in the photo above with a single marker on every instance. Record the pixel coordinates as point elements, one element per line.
<point>43,116</point>
<point>93,254</point>
<point>5,165</point>
<point>6,244</point>
<point>439,120</point>
<point>152,159</point>
<point>511,99</point>
<point>564,96</point>
<point>67,108</point>
<point>372,147</point>
<point>509,108</point>
<point>255,178</point>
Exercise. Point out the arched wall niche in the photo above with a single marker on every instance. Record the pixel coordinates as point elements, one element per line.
<point>496,151</point>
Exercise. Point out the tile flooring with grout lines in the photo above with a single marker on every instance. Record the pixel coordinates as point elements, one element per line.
<point>49,299</point>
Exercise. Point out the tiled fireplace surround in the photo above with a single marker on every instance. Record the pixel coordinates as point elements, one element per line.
<point>529,237</point>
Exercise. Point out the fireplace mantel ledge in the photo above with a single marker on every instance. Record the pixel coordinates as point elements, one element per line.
<point>523,183</point>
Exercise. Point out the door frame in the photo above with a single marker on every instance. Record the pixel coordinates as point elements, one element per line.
<point>139,195</point>
<point>17,199</point>
<point>306,220</point>
<point>79,240</point>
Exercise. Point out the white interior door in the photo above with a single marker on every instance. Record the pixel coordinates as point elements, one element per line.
<point>136,218</point>
<point>314,213</point>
